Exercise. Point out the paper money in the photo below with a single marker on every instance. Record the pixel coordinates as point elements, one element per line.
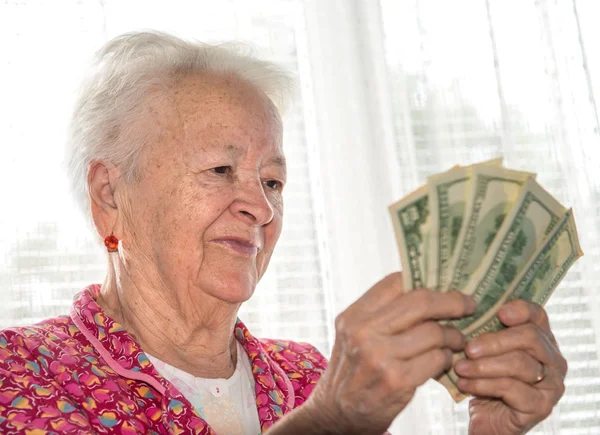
<point>447,207</point>
<point>533,217</point>
<point>534,214</point>
<point>410,218</point>
<point>490,232</point>
<point>536,282</point>
<point>493,192</point>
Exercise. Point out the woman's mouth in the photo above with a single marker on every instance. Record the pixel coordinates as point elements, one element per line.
<point>239,246</point>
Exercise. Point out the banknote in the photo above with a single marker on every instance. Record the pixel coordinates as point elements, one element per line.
<point>410,218</point>
<point>526,226</point>
<point>490,232</point>
<point>534,214</point>
<point>493,192</point>
<point>447,206</point>
<point>536,281</point>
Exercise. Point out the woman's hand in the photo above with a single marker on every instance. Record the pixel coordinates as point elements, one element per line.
<point>516,375</point>
<point>387,344</point>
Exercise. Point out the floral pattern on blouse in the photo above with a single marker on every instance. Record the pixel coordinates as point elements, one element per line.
<point>85,374</point>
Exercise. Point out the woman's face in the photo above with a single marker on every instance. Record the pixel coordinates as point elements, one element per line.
<point>207,211</point>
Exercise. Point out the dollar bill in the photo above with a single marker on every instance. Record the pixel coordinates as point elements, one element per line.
<point>447,207</point>
<point>410,218</point>
<point>534,215</point>
<point>493,192</point>
<point>537,280</point>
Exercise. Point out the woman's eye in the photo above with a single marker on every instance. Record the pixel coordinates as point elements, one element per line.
<point>274,184</point>
<point>221,169</point>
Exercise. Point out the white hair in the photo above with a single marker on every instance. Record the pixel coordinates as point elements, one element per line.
<point>114,98</point>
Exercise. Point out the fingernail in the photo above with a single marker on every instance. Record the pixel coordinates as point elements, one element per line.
<point>508,312</point>
<point>461,383</point>
<point>461,367</point>
<point>474,349</point>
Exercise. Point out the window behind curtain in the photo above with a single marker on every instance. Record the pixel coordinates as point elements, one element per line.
<point>46,254</point>
<point>473,80</point>
<point>469,80</point>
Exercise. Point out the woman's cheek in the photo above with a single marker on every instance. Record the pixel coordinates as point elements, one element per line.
<point>276,200</point>
<point>206,193</point>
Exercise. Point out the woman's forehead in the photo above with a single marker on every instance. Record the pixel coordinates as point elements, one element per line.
<point>218,104</point>
<point>219,95</point>
<point>221,117</point>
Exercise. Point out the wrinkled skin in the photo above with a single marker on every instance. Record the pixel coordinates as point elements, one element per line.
<point>388,343</point>
<point>502,368</point>
<point>214,171</point>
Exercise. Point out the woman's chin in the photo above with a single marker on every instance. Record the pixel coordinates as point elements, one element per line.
<point>234,289</point>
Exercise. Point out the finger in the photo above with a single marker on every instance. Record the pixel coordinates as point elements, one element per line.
<point>426,366</point>
<point>519,312</point>
<point>380,294</point>
<point>529,338</point>
<point>517,364</point>
<point>553,382</point>
<point>401,376</point>
<point>518,395</point>
<point>422,305</point>
<point>424,337</point>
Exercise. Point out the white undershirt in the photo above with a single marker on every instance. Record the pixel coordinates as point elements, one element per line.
<point>227,405</point>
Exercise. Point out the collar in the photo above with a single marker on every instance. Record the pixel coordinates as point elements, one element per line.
<point>275,394</point>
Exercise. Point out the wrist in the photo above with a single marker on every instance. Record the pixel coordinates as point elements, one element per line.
<point>308,419</point>
<point>317,417</point>
<point>324,417</point>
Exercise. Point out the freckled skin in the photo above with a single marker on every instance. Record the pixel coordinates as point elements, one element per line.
<point>181,204</point>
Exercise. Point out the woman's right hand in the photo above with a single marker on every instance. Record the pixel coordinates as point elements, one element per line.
<point>387,344</point>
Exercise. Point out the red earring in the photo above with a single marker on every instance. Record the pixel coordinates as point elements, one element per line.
<point>111,243</point>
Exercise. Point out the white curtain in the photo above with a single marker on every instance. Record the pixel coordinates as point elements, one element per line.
<point>390,91</point>
<point>46,254</point>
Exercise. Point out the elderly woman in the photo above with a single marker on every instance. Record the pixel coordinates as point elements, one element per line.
<point>176,155</point>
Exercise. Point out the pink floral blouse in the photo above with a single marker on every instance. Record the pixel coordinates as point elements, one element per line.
<point>84,374</point>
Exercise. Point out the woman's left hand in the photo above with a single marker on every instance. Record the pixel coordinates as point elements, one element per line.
<point>516,375</point>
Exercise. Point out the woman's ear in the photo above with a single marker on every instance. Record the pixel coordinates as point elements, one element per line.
<point>102,182</point>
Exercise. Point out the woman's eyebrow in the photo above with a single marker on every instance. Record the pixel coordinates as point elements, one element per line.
<point>277,160</point>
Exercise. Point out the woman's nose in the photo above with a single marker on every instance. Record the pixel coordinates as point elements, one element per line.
<point>252,204</point>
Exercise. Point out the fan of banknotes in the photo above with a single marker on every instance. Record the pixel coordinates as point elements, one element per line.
<point>487,231</point>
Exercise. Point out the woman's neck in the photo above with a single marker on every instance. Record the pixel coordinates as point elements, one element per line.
<point>195,338</point>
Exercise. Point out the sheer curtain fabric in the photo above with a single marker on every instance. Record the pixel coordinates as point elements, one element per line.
<point>390,91</point>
